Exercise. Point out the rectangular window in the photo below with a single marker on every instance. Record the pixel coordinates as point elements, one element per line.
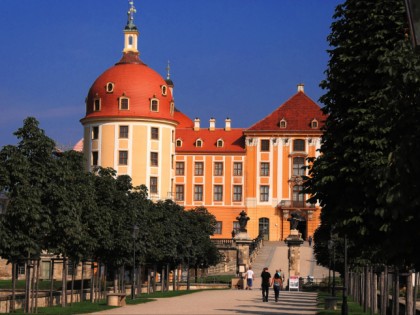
<point>237,168</point>
<point>218,228</point>
<point>298,163</point>
<point>95,158</point>
<point>299,145</point>
<point>154,159</point>
<point>70,268</point>
<point>218,168</point>
<point>198,192</point>
<point>236,227</point>
<point>237,193</point>
<point>95,133</point>
<point>97,104</point>
<point>265,145</point>
<point>264,169</point>
<point>218,193</point>
<point>124,103</point>
<point>154,105</point>
<point>123,131</point>
<point>153,185</point>
<point>123,158</point>
<point>179,192</point>
<point>21,269</point>
<point>264,193</point>
<point>155,133</point>
<point>298,197</point>
<point>199,169</point>
<point>179,168</point>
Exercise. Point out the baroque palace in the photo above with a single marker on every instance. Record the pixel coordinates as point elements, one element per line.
<point>132,125</point>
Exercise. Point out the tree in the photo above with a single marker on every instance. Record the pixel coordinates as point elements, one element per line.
<point>372,81</point>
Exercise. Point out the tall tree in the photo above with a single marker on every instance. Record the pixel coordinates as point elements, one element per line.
<point>372,78</point>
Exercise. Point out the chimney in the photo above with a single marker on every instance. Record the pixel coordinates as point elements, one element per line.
<point>197,124</point>
<point>227,124</point>
<point>301,87</point>
<point>212,124</point>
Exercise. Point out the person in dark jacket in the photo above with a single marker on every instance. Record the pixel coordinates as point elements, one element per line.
<point>265,283</point>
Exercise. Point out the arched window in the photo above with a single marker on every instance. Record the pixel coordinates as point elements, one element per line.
<point>199,143</point>
<point>179,143</point>
<point>264,228</point>
<point>219,143</point>
<point>314,124</point>
<point>283,123</point>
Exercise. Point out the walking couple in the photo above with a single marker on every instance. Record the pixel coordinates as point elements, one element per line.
<point>266,282</point>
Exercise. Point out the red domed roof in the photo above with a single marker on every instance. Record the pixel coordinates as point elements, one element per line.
<point>130,78</point>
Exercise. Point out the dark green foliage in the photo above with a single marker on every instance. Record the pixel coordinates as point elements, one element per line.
<point>365,179</point>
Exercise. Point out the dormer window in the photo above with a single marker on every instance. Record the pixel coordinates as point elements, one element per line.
<point>154,105</point>
<point>164,90</point>
<point>110,87</point>
<point>96,104</point>
<point>124,103</point>
<point>179,143</point>
<point>219,143</point>
<point>283,123</point>
<point>199,143</point>
<point>314,124</point>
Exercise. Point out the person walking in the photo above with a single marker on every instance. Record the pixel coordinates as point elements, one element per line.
<point>265,283</point>
<point>249,276</point>
<point>310,241</point>
<point>276,283</point>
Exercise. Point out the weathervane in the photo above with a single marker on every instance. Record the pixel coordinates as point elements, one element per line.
<point>131,12</point>
<point>168,68</point>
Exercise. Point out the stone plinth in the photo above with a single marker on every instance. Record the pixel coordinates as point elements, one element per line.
<point>294,241</point>
<point>243,241</point>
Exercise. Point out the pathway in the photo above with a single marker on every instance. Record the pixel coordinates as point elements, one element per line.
<point>273,255</point>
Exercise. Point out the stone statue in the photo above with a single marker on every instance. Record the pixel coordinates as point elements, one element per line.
<point>294,220</point>
<point>243,220</point>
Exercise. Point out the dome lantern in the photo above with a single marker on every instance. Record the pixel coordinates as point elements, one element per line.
<point>130,31</point>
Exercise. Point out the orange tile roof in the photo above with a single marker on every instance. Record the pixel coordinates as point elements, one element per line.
<point>183,120</point>
<point>298,111</point>
<point>234,141</point>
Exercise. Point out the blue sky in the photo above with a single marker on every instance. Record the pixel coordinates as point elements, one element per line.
<point>229,58</point>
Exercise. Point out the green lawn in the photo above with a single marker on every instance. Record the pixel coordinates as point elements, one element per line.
<point>353,307</point>
<point>88,307</point>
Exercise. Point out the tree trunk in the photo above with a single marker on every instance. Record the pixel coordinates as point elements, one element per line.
<point>64,283</point>
<point>139,279</point>
<point>374,293</point>
<point>82,287</point>
<point>386,297</point>
<point>168,271</point>
<point>14,274</point>
<point>154,277</point>
<point>162,280</point>
<point>92,281</point>
<point>116,285</point>
<point>28,286</point>
<point>104,280</point>
<point>99,293</point>
<point>409,294</point>
<point>416,283</point>
<point>72,281</point>
<point>382,310</point>
<point>51,282</point>
<point>395,293</point>
<point>38,271</point>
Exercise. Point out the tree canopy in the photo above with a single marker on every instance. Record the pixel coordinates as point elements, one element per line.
<point>365,177</point>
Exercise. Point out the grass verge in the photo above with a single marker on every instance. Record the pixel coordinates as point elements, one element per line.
<point>353,307</point>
